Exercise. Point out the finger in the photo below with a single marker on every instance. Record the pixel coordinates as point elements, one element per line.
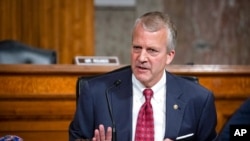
<point>109,134</point>
<point>102,132</point>
<point>94,139</point>
<point>97,135</point>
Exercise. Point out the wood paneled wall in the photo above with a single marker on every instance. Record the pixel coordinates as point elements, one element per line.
<point>67,26</point>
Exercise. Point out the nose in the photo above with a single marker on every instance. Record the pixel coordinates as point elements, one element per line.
<point>143,56</point>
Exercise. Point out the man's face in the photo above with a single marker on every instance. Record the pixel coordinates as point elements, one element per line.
<point>149,55</point>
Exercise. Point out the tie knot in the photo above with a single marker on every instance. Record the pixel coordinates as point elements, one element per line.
<point>148,93</point>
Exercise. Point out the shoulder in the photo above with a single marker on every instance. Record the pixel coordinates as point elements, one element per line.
<point>187,82</point>
<point>242,114</point>
<point>188,87</point>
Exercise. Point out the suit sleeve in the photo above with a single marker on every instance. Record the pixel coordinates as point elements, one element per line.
<point>82,126</point>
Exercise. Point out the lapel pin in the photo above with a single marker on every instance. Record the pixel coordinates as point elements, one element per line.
<point>175,106</point>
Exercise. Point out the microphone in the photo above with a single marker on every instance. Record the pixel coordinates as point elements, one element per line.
<point>115,84</point>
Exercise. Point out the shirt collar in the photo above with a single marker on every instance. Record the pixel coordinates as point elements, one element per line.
<point>156,88</point>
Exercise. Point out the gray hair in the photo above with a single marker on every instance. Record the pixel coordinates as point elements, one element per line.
<point>154,21</point>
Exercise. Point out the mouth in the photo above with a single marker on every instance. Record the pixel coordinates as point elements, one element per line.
<point>142,68</point>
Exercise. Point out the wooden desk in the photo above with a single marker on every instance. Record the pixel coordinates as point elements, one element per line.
<point>37,102</point>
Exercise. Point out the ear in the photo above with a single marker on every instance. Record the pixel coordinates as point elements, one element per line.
<point>170,56</point>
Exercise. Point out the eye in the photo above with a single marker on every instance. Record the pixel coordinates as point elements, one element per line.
<point>137,48</point>
<point>152,51</point>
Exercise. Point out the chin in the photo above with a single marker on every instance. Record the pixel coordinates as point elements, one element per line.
<point>142,78</point>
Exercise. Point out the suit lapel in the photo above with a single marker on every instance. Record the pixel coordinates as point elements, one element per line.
<point>174,108</point>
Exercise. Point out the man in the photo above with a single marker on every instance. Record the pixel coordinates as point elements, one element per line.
<point>178,110</point>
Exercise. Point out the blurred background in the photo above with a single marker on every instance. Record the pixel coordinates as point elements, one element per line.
<point>209,32</point>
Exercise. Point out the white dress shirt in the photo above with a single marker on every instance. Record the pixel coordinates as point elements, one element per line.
<point>158,102</point>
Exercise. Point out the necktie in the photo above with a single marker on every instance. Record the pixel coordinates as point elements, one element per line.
<point>145,120</point>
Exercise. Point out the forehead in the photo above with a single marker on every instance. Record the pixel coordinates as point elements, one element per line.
<point>142,36</point>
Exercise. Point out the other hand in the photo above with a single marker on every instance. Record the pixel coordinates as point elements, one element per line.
<point>100,135</point>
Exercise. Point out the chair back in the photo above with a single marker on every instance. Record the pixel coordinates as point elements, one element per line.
<point>79,84</point>
<point>191,78</point>
<point>13,52</point>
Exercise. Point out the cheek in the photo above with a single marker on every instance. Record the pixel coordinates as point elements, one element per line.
<point>133,56</point>
<point>158,65</point>
<point>161,61</point>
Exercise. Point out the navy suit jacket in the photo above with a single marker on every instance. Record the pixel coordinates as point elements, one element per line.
<point>195,116</point>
